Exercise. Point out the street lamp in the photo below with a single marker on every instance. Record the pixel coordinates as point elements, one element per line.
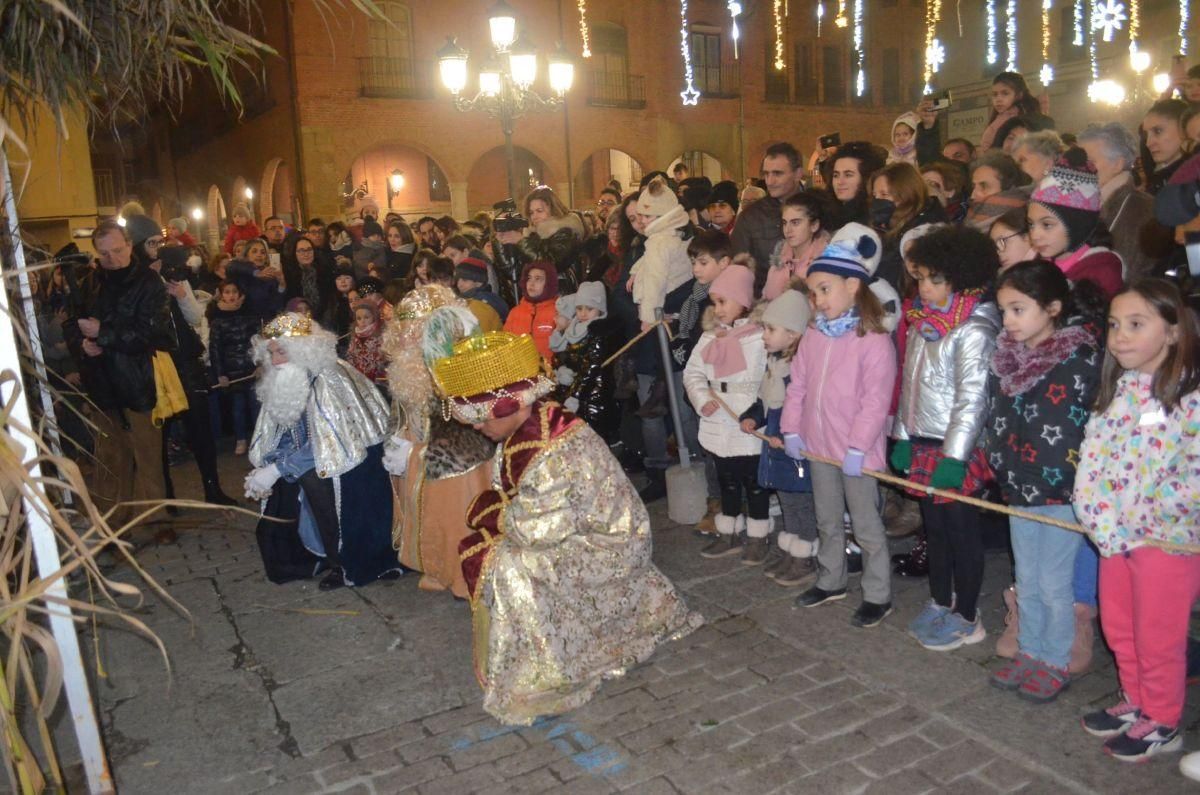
<point>395,185</point>
<point>197,214</point>
<point>506,78</point>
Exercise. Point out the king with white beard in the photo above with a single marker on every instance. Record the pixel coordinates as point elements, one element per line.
<point>317,452</point>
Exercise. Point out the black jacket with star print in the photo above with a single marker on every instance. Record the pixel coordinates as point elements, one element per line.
<point>1032,438</point>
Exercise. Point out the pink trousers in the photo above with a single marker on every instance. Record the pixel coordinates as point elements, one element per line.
<point>1145,604</point>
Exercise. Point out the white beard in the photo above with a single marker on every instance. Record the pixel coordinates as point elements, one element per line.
<point>283,390</point>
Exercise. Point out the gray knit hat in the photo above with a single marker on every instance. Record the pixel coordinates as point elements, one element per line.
<point>141,228</point>
<point>790,310</point>
<point>592,294</point>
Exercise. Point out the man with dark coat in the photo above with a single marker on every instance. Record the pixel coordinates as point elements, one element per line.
<point>758,228</point>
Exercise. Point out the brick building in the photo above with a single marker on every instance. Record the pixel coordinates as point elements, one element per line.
<point>350,101</point>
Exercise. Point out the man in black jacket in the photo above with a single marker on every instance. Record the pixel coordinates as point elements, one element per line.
<point>758,228</point>
<point>118,319</point>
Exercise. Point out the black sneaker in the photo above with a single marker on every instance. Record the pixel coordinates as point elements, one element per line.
<point>1142,740</point>
<point>332,581</point>
<point>1112,721</point>
<point>870,614</point>
<point>656,489</point>
<point>817,596</point>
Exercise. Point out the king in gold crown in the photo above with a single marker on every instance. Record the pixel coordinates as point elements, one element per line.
<point>289,324</point>
<point>490,375</point>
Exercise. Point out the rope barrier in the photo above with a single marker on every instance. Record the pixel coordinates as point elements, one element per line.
<point>905,483</point>
<point>632,342</point>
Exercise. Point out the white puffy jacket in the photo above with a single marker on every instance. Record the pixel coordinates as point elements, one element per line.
<point>665,264</point>
<point>720,433</point>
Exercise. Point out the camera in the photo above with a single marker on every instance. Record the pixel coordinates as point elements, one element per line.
<point>831,141</point>
<point>505,206</point>
<point>942,102</point>
<point>509,222</point>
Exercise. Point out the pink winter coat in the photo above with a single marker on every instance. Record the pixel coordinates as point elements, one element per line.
<point>840,393</point>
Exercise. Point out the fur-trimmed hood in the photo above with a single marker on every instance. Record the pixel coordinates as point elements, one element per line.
<point>708,321</point>
<point>554,240</point>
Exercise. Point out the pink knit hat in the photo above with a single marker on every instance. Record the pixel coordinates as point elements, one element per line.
<point>735,283</point>
<point>1072,182</point>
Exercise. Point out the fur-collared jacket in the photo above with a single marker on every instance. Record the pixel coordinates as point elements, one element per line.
<point>559,240</point>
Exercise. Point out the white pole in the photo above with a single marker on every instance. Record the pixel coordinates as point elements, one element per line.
<point>45,546</point>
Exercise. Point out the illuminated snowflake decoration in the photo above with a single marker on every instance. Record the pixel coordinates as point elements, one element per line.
<point>1047,74</point>
<point>935,55</point>
<point>1109,16</point>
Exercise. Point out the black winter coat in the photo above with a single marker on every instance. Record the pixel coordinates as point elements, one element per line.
<point>134,311</point>
<point>593,385</point>
<point>891,264</point>
<point>229,334</point>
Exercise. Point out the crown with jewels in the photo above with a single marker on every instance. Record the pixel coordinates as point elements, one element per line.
<point>422,301</point>
<point>289,324</point>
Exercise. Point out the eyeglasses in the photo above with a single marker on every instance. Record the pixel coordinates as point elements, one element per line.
<point>153,242</point>
<point>1001,242</point>
<point>606,203</point>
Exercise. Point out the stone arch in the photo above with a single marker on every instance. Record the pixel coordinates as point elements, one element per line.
<point>487,182</point>
<point>277,193</point>
<point>214,218</point>
<point>600,166</point>
<point>701,163</point>
<point>425,189</point>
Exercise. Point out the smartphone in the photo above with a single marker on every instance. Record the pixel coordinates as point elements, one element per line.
<point>830,141</point>
<point>942,102</point>
<point>275,259</point>
<point>1192,246</point>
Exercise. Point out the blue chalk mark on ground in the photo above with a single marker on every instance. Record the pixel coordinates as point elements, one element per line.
<point>580,747</point>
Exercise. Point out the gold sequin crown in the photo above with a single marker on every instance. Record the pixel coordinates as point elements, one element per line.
<point>422,301</point>
<point>289,324</point>
<point>486,362</point>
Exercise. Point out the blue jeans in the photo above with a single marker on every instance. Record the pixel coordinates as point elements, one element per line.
<point>243,411</point>
<point>1045,558</point>
<point>1087,572</point>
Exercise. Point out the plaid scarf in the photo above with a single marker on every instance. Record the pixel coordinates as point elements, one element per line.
<point>933,324</point>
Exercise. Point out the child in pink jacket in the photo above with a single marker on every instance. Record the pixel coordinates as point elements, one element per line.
<point>837,407</point>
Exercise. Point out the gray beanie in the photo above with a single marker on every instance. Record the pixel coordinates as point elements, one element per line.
<point>790,310</point>
<point>179,224</point>
<point>141,228</point>
<point>592,294</point>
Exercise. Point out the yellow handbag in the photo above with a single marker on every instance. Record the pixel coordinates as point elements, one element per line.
<point>171,399</point>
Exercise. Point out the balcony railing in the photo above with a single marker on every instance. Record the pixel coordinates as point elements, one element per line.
<point>394,78</point>
<point>616,90</point>
<point>106,187</point>
<point>719,82</point>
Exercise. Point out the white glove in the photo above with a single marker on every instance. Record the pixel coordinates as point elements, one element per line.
<point>260,481</point>
<point>565,375</point>
<point>571,404</point>
<point>395,455</point>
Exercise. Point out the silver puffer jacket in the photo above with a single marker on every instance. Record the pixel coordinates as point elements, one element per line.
<point>943,392</point>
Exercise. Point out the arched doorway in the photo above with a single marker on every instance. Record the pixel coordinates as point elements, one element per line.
<point>601,167</point>
<point>278,198</point>
<point>398,178</point>
<point>700,164</point>
<point>214,219</point>
<point>488,181</point>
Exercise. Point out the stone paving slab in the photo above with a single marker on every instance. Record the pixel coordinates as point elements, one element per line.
<point>766,698</point>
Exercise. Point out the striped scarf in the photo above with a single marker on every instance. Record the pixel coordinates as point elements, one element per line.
<point>933,324</point>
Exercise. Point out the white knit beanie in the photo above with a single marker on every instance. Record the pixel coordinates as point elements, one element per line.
<point>657,199</point>
<point>862,239</point>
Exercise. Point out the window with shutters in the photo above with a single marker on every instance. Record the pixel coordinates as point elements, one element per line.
<point>891,76</point>
<point>833,76</point>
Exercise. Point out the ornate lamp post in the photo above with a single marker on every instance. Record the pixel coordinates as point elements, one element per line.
<point>505,79</point>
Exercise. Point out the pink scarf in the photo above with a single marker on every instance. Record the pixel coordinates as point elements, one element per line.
<point>724,353</point>
<point>780,276</point>
<point>988,139</point>
<point>1020,367</point>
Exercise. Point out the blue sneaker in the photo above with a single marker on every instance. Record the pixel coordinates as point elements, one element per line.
<point>951,631</point>
<point>919,627</point>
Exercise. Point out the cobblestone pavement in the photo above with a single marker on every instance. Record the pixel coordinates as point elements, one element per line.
<point>284,689</point>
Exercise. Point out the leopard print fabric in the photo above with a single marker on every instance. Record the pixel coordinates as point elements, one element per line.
<point>454,448</point>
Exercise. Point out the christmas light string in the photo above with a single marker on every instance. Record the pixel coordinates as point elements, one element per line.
<point>1183,26</point>
<point>584,33</point>
<point>935,53</point>
<point>1011,32</point>
<point>991,31</point>
<point>840,20</point>
<point>735,10</point>
<point>820,16</point>
<point>860,80</point>
<point>689,94</point>
<point>777,10</point>
<point>1108,16</point>
<point>1047,73</point>
<point>1078,40</point>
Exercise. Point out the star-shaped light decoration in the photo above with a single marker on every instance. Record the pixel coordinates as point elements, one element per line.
<point>690,95</point>
<point>1047,74</point>
<point>935,55</point>
<point>1109,17</point>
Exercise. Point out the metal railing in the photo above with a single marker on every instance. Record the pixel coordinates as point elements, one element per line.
<point>616,90</point>
<point>106,187</point>
<point>394,78</point>
<point>719,82</point>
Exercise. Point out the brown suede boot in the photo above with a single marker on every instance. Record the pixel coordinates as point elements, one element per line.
<point>707,524</point>
<point>1006,644</point>
<point>1085,636</point>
